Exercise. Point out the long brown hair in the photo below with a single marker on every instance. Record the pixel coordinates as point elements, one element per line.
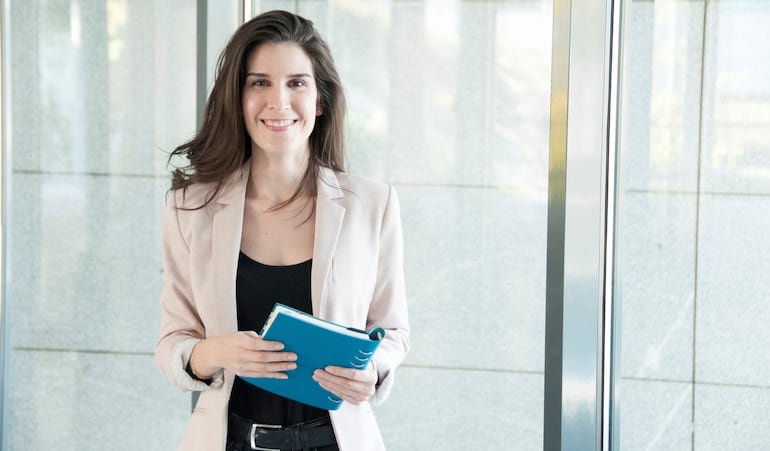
<point>222,145</point>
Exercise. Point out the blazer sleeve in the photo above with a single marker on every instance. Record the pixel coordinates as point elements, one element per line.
<point>180,325</point>
<point>389,307</point>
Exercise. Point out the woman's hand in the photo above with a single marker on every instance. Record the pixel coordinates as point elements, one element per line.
<point>244,353</point>
<point>354,386</point>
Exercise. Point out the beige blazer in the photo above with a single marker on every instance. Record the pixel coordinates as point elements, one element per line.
<point>357,279</point>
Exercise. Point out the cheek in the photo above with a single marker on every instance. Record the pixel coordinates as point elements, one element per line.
<point>250,105</point>
<point>310,115</point>
<point>310,108</point>
<point>310,123</point>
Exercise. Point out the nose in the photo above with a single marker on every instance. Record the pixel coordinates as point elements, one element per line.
<point>278,99</point>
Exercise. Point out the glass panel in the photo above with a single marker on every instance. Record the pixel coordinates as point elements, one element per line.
<point>449,101</point>
<point>694,208</point>
<point>100,90</point>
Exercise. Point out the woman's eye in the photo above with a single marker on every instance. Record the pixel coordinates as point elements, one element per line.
<point>259,82</point>
<point>297,83</point>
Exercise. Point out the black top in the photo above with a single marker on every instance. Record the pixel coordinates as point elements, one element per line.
<point>257,288</point>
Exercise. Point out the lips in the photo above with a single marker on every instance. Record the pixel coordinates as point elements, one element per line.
<point>278,124</point>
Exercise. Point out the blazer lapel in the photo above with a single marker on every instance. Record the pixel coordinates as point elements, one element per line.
<point>328,225</point>
<point>226,229</point>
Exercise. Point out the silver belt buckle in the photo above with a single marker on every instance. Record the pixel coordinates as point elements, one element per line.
<point>252,436</point>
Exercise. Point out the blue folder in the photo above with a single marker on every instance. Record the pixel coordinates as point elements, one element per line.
<point>318,343</point>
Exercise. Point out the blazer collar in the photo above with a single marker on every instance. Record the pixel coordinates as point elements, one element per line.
<point>234,190</point>
<point>327,185</point>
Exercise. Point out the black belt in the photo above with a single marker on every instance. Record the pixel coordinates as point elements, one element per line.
<point>312,434</point>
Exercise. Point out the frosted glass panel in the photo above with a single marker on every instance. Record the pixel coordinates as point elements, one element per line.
<point>694,210</point>
<point>99,91</point>
<point>449,101</point>
<point>736,109</point>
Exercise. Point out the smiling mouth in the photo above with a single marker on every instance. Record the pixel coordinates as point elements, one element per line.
<point>278,123</point>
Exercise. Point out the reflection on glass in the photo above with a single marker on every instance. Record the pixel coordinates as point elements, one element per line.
<point>449,101</point>
<point>694,208</point>
<point>99,89</point>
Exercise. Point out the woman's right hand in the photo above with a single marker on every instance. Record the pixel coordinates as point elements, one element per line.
<point>244,353</point>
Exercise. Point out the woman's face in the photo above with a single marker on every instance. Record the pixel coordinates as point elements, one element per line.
<point>280,100</point>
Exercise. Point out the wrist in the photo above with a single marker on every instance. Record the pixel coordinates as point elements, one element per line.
<point>198,369</point>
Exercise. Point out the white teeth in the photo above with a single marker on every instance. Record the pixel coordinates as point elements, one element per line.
<point>281,123</point>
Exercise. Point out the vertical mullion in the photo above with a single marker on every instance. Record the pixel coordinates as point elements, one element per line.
<point>3,179</point>
<point>247,12</point>
<point>611,311</point>
<point>557,180</point>
<point>201,62</point>
<point>578,226</point>
<point>585,225</point>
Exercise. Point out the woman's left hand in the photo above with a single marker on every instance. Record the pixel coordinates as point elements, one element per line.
<point>353,386</point>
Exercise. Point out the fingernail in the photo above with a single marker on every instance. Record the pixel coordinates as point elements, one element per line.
<point>293,366</point>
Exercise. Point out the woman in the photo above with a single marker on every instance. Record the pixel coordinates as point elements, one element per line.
<point>264,212</point>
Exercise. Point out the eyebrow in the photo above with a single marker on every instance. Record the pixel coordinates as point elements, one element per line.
<point>261,75</point>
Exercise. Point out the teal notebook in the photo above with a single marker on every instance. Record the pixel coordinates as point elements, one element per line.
<point>318,343</point>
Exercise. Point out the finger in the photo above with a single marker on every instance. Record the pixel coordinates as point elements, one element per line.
<point>250,333</point>
<point>364,375</point>
<point>360,383</point>
<point>266,345</point>
<point>271,356</point>
<point>352,396</point>
<point>266,369</point>
<point>348,373</point>
<point>248,363</point>
<point>334,388</point>
<point>252,340</point>
<point>349,390</point>
<point>264,375</point>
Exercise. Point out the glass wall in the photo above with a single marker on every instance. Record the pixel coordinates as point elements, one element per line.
<point>449,101</point>
<point>694,211</point>
<point>98,92</point>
